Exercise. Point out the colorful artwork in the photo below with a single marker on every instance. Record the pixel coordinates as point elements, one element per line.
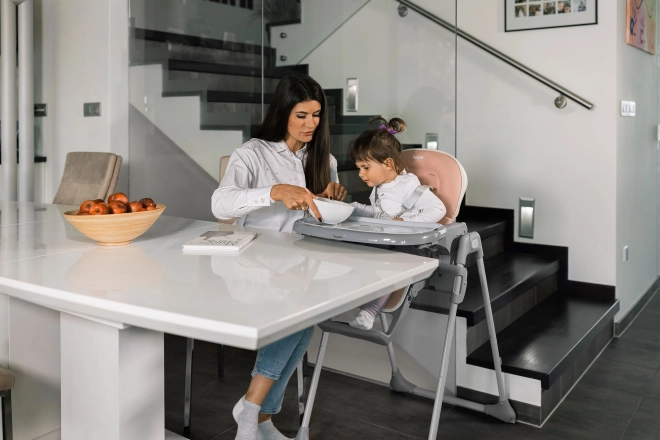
<point>640,20</point>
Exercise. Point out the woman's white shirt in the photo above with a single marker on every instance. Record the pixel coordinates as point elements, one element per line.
<point>252,171</point>
<point>392,195</point>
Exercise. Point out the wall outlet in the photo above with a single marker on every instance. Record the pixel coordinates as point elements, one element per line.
<point>625,254</point>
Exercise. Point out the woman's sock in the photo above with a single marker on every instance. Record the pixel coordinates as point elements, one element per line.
<point>363,320</point>
<point>246,415</point>
<point>268,431</point>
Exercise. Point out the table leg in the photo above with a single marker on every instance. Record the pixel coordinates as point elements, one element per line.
<point>112,381</point>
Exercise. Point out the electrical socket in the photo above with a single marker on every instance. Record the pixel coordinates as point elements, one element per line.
<point>625,254</point>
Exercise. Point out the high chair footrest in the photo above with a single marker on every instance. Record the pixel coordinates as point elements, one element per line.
<point>342,328</point>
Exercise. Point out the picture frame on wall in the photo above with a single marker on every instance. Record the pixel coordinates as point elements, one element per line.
<point>524,15</point>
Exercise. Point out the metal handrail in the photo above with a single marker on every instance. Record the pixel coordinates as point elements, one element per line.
<point>564,92</point>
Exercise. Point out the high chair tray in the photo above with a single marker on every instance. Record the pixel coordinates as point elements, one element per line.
<point>372,231</point>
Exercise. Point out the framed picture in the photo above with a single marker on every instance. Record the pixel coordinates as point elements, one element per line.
<point>523,15</point>
<point>640,24</point>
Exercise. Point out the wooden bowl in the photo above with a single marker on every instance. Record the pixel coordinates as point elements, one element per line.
<point>114,229</point>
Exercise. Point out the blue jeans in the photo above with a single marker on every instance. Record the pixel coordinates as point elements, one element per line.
<point>278,361</point>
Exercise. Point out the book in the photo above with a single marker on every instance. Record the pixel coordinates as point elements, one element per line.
<point>219,241</point>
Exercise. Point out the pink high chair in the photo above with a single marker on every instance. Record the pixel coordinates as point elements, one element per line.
<point>448,180</point>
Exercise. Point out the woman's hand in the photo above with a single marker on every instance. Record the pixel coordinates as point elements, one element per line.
<point>334,191</point>
<point>295,198</point>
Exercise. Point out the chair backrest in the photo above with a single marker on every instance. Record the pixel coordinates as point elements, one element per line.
<point>86,176</point>
<point>115,177</point>
<point>441,171</point>
<point>224,161</point>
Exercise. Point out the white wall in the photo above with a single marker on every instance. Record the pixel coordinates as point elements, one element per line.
<point>637,170</point>
<point>405,67</point>
<point>514,143</point>
<point>81,56</point>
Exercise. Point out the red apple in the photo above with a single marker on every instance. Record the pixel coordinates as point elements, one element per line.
<point>135,206</point>
<point>118,196</point>
<point>99,209</point>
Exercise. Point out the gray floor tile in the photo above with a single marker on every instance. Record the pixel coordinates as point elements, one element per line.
<point>649,409</point>
<point>636,352</point>
<point>329,425</point>
<point>654,388</point>
<point>636,333</point>
<point>374,404</point>
<point>619,376</point>
<point>648,320</point>
<point>577,421</point>
<point>640,430</point>
<point>605,399</point>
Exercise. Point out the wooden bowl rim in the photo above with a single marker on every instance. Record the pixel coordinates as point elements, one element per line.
<point>74,213</point>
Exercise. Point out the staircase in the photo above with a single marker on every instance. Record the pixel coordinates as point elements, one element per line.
<point>549,329</point>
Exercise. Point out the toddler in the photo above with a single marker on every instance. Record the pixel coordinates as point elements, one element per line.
<point>376,154</point>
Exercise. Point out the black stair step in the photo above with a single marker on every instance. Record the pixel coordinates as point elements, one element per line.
<point>486,228</point>
<point>228,69</point>
<point>546,341</point>
<point>189,40</point>
<point>510,274</point>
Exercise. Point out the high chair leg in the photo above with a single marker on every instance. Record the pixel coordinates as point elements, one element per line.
<point>190,346</point>
<point>446,351</point>
<point>398,383</point>
<point>303,432</point>
<point>301,391</point>
<point>503,409</point>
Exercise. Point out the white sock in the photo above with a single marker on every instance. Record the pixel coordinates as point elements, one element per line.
<point>246,415</point>
<point>268,431</point>
<point>363,320</point>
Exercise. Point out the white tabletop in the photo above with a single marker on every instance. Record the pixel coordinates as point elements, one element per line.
<point>277,285</point>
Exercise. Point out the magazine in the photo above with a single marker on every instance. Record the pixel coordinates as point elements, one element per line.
<point>219,241</point>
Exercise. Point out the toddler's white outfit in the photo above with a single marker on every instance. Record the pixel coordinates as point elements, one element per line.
<point>387,201</point>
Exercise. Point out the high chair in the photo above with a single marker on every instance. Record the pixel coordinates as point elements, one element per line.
<point>448,180</point>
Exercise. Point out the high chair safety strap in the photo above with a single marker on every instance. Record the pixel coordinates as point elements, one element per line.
<point>407,205</point>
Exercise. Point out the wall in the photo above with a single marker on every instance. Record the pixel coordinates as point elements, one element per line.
<point>405,67</point>
<point>514,143</point>
<point>637,170</point>
<point>81,49</point>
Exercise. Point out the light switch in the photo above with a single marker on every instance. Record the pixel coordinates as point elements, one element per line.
<point>631,108</point>
<point>625,108</point>
<point>92,109</point>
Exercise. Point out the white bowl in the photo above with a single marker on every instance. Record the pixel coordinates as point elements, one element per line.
<point>333,211</point>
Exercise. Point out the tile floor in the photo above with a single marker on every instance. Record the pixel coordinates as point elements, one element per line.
<point>618,398</point>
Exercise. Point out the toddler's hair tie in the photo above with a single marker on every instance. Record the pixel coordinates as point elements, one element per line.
<point>389,130</point>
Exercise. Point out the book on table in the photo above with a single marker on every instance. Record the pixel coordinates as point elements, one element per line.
<point>219,242</point>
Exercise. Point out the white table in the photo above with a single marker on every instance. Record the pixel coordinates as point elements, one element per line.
<point>114,304</point>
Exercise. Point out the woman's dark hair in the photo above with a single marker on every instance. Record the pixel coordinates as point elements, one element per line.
<point>379,144</point>
<point>292,90</point>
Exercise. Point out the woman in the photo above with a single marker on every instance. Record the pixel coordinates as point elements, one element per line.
<point>270,181</point>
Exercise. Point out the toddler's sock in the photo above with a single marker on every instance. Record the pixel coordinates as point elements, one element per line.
<point>268,431</point>
<point>246,415</point>
<point>363,320</point>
